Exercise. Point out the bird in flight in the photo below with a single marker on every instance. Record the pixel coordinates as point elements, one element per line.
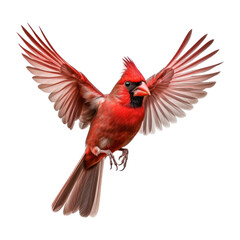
<point>134,104</point>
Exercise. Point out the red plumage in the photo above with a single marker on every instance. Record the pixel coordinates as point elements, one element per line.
<point>130,72</point>
<point>114,118</point>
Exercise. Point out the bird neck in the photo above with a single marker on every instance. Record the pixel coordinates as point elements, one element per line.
<point>135,101</point>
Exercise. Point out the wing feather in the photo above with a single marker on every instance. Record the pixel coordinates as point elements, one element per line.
<point>178,86</point>
<point>42,73</point>
<point>69,89</point>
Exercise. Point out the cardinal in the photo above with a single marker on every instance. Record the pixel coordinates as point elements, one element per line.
<point>134,104</point>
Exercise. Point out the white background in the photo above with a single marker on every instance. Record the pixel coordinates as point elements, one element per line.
<point>180,183</point>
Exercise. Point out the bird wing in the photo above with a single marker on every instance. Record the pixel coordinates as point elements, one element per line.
<point>74,96</point>
<point>177,86</point>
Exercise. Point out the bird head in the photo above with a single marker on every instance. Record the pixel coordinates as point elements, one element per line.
<point>131,88</point>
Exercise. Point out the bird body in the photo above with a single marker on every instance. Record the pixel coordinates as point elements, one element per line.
<point>134,104</point>
<point>109,128</point>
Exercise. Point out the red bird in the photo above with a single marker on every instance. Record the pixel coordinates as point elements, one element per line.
<point>115,118</point>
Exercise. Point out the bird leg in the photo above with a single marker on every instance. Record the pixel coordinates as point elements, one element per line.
<point>97,151</point>
<point>124,157</point>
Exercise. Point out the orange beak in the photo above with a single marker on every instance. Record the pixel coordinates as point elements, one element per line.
<point>141,90</point>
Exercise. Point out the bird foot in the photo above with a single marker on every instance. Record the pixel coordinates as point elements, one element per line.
<point>124,157</point>
<point>111,157</point>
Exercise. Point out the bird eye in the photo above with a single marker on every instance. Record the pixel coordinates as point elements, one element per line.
<point>127,84</point>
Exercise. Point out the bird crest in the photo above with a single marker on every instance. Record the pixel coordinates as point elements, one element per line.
<point>130,72</point>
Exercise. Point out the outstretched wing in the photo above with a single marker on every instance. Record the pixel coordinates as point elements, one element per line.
<point>74,96</point>
<point>177,86</point>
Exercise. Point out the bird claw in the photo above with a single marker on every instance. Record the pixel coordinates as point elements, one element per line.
<point>124,157</point>
<point>112,158</point>
<point>108,152</point>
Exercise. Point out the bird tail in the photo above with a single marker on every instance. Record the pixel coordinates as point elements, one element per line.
<point>81,191</point>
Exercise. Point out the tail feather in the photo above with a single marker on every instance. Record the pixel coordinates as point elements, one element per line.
<point>68,186</point>
<point>98,191</point>
<point>87,195</point>
<point>72,203</point>
<point>81,191</point>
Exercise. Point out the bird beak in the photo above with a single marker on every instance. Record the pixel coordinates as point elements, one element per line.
<point>141,90</point>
